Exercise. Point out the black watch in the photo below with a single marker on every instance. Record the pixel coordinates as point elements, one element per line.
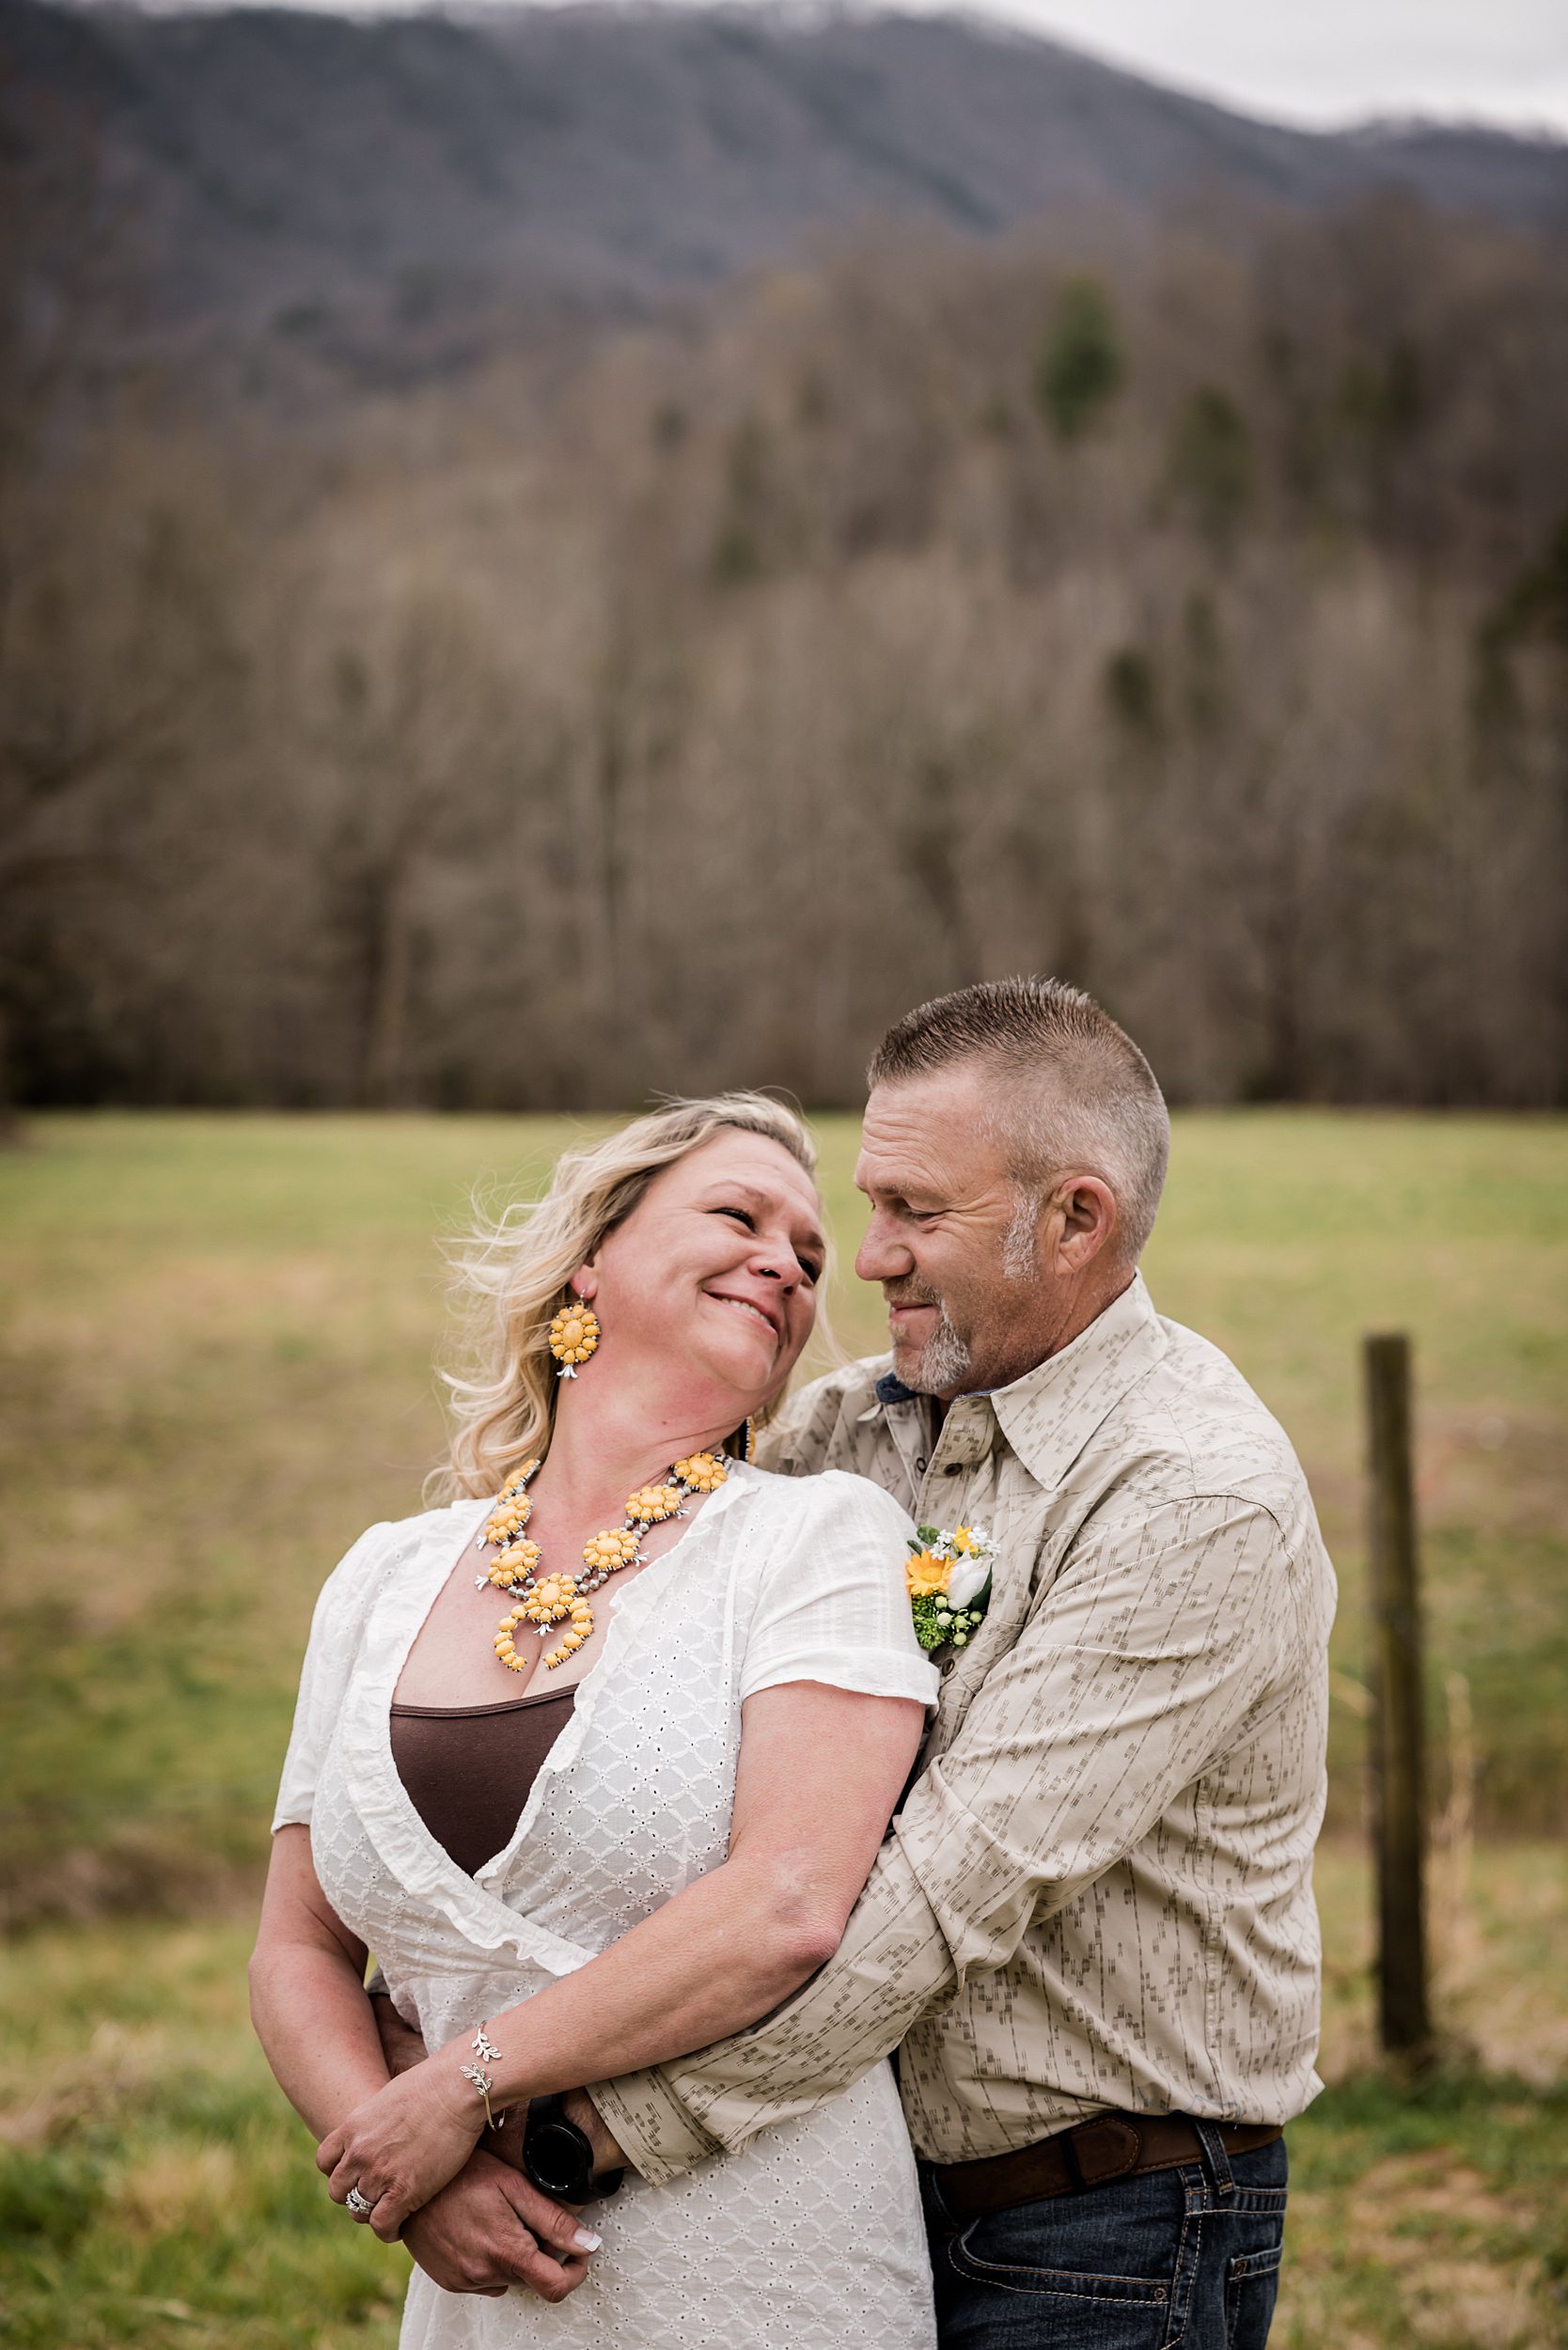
<point>559,2156</point>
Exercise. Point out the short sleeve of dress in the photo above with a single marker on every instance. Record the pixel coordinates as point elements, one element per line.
<point>323,1678</point>
<point>835,1605</point>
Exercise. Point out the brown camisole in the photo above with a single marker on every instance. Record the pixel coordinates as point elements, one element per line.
<point>469,1769</point>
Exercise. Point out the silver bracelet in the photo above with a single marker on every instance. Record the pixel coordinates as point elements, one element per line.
<point>488,2053</point>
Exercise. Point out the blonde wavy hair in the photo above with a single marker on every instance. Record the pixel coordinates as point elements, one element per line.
<point>513,1272</point>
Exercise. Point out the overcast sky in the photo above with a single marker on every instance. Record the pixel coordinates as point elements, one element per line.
<point>1332,61</point>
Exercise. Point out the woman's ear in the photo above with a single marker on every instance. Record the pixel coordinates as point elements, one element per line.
<point>585,1281</point>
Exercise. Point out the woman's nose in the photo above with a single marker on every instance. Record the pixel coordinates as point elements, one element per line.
<point>776,1260</point>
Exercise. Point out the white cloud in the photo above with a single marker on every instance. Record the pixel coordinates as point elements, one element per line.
<point>1337,60</point>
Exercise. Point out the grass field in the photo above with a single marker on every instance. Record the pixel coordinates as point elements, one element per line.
<point>215,1367</point>
<point>154,2190</point>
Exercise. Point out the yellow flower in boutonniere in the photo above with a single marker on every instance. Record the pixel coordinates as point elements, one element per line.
<point>926,1573</point>
<point>950,1583</point>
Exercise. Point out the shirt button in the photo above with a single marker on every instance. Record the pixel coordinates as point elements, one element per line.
<point>921,1465</point>
<point>953,1468</point>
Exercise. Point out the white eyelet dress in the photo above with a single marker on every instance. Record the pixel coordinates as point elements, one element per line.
<point>811,2236</point>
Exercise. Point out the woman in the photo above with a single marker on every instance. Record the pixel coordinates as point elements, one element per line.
<point>588,1827</point>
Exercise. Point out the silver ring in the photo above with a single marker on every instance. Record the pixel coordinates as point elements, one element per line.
<point>359,2204</point>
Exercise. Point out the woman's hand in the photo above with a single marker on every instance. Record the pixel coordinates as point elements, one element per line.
<point>403,2145</point>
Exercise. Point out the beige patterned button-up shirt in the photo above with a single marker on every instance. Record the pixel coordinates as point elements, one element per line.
<point>1098,1893</point>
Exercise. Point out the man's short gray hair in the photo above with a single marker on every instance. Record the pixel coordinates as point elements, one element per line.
<point>1074,1093</point>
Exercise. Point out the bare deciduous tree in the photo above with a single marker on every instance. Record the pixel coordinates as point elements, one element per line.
<point>675,710</point>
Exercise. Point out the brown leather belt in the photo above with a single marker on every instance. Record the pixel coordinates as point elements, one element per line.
<point>1091,2153</point>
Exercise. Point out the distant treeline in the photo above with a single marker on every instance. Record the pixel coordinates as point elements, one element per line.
<point>1187,615</point>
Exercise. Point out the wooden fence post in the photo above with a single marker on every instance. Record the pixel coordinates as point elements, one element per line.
<point>1398,1743</point>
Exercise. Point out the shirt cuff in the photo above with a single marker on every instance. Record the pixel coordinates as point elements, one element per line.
<point>653,2128</point>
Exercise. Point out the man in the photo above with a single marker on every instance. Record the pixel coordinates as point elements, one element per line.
<point>1089,1934</point>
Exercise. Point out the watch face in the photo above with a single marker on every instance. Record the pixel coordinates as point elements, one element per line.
<point>559,2158</point>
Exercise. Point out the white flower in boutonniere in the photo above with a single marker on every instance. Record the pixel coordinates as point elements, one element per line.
<point>950,1583</point>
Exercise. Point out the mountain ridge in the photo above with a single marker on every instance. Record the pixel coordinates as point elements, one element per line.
<point>293,169</point>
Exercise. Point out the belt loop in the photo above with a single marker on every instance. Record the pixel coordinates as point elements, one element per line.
<point>1215,2160</point>
<point>932,2185</point>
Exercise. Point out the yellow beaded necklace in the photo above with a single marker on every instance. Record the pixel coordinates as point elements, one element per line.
<point>544,1599</point>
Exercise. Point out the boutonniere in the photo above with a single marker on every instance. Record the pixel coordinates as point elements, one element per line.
<point>950,1583</point>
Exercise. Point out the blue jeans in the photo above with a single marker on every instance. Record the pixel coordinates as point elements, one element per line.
<point>1176,2260</point>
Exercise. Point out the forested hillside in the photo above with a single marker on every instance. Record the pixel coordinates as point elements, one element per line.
<point>1180,605</point>
<point>305,199</point>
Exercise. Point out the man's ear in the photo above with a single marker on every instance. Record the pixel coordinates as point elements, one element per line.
<point>1086,1207</point>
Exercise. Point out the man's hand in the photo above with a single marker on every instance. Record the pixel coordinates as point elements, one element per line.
<point>579,2106</point>
<point>489,2230</point>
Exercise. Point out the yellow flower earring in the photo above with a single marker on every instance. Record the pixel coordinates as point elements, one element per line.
<point>574,1336</point>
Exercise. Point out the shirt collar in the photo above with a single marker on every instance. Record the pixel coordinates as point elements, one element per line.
<point>1049,1414</point>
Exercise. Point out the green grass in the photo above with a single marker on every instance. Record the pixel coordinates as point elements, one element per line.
<point>214,1369</point>
<point>1284,1238</point>
<point>155,2191</point>
<point>215,1344</point>
<point>153,2187</point>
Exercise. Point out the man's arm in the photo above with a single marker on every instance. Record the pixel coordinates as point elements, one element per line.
<point>1136,1670</point>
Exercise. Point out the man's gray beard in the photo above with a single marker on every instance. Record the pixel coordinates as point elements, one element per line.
<point>942,1364</point>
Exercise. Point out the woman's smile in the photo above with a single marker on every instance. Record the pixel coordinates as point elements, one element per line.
<point>747,1306</point>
